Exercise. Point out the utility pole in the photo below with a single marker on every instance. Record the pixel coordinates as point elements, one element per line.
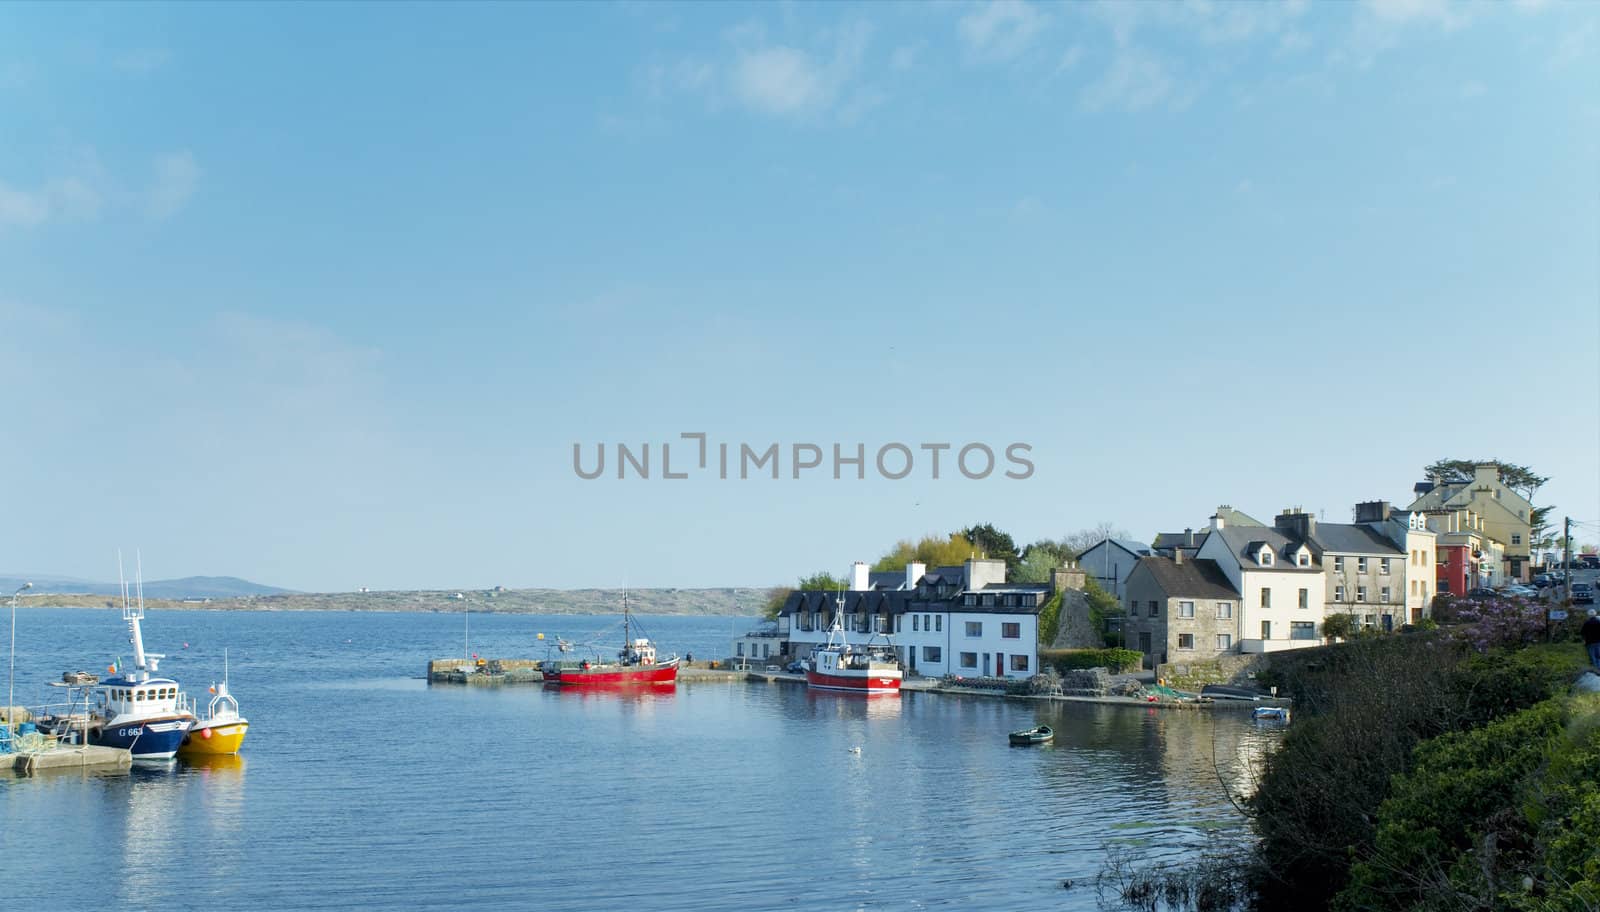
<point>1566,548</point>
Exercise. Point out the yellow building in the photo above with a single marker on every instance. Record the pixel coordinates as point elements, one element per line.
<point>1501,513</point>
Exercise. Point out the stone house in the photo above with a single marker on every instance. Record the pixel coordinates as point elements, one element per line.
<point>1181,609</point>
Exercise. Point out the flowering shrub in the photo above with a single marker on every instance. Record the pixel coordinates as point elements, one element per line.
<point>1497,621</point>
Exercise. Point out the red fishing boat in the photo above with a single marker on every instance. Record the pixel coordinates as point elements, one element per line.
<point>636,664</point>
<point>838,666</point>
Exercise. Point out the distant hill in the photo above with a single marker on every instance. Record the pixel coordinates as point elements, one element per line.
<point>742,602</point>
<point>190,587</point>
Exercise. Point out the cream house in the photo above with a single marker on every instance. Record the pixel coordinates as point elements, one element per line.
<point>1507,517</point>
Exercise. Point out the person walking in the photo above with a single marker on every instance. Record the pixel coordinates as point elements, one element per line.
<point>1591,639</point>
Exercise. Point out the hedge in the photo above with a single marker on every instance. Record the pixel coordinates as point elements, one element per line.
<point>1117,660</point>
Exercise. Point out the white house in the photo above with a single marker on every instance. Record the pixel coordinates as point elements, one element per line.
<point>1280,585</point>
<point>963,620</point>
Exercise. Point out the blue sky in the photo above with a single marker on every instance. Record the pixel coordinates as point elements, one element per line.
<point>323,295</point>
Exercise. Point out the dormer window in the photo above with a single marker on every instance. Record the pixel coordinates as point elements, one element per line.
<point>1265,558</point>
<point>1303,558</point>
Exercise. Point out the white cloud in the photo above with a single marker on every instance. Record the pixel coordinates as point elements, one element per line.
<point>1134,81</point>
<point>778,80</point>
<point>64,199</point>
<point>176,178</point>
<point>1000,30</point>
<point>1438,11</point>
<point>785,80</point>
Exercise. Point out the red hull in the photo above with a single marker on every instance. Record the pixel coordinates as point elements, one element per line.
<point>863,683</point>
<point>613,675</point>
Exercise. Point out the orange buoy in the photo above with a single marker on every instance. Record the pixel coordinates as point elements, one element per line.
<point>205,733</point>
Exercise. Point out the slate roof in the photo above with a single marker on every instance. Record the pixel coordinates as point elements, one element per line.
<point>1201,579</point>
<point>1246,541</point>
<point>1137,549</point>
<point>1347,538</point>
<point>1167,540</point>
<point>886,579</point>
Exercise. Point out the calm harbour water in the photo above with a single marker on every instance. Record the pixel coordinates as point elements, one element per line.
<point>361,787</point>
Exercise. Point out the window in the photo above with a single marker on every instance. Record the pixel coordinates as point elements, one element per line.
<point>1305,598</point>
<point>1266,597</point>
<point>1516,538</point>
<point>1133,608</point>
<point>932,654</point>
<point>766,650</point>
<point>969,660</point>
<point>938,623</point>
<point>927,622</point>
<point>1186,609</point>
<point>1383,565</point>
<point>1361,593</point>
<point>1338,565</point>
<point>897,619</point>
<point>969,599</point>
<point>1224,609</point>
<point>1383,594</point>
<point>1304,559</point>
<point>1361,565</point>
<point>1302,630</point>
<point>1155,609</point>
<point>916,623</point>
<point>1019,663</point>
<point>1185,641</point>
<point>1424,588</point>
<point>738,649</point>
<point>1011,631</point>
<point>974,628</point>
<point>987,601</point>
<point>1264,558</point>
<point>1224,642</point>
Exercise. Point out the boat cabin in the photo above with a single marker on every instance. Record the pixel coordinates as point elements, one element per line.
<point>124,696</point>
<point>639,652</point>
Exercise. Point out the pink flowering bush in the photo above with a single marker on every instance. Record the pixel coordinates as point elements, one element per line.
<point>1486,623</point>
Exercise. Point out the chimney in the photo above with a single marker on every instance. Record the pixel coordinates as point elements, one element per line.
<point>1217,522</point>
<point>1373,511</point>
<point>1177,556</point>
<point>1485,474</point>
<point>915,571</point>
<point>1067,576</point>
<point>1188,538</point>
<point>858,577</point>
<point>1295,523</point>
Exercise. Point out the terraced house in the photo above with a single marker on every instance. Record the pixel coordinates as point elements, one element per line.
<point>964,620</point>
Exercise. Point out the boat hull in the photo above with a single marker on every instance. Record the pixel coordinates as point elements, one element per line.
<point>208,739</point>
<point>861,683</point>
<point>618,675</point>
<point>145,739</point>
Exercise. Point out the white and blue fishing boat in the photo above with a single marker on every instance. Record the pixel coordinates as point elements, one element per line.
<point>134,709</point>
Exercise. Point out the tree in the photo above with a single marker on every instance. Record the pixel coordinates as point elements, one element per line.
<point>993,543</point>
<point>1102,605</point>
<point>1037,563</point>
<point>932,550</point>
<point>1084,539</point>
<point>1518,478</point>
<point>821,580</point>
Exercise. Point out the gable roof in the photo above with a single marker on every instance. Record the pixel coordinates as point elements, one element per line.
<point>1192,578</point>
<point>1243,543</point>
<point>1348,538</point>
<point>1137,549</point>
<point>1165,540</point>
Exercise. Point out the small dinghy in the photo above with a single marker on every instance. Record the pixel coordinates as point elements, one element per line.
<point>1271,713</point>
<point>1040,735</point>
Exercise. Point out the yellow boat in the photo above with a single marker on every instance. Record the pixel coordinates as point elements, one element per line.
<point>220,731</point>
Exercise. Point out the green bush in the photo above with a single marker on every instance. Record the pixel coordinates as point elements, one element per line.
<point>1050,620</point>
<point>1338,626</point>
<point>1117,660</point>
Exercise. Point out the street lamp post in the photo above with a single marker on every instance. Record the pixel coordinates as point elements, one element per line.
<point>11,675</point>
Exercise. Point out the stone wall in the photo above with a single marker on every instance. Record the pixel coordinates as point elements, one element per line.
<point>1225,669</point>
